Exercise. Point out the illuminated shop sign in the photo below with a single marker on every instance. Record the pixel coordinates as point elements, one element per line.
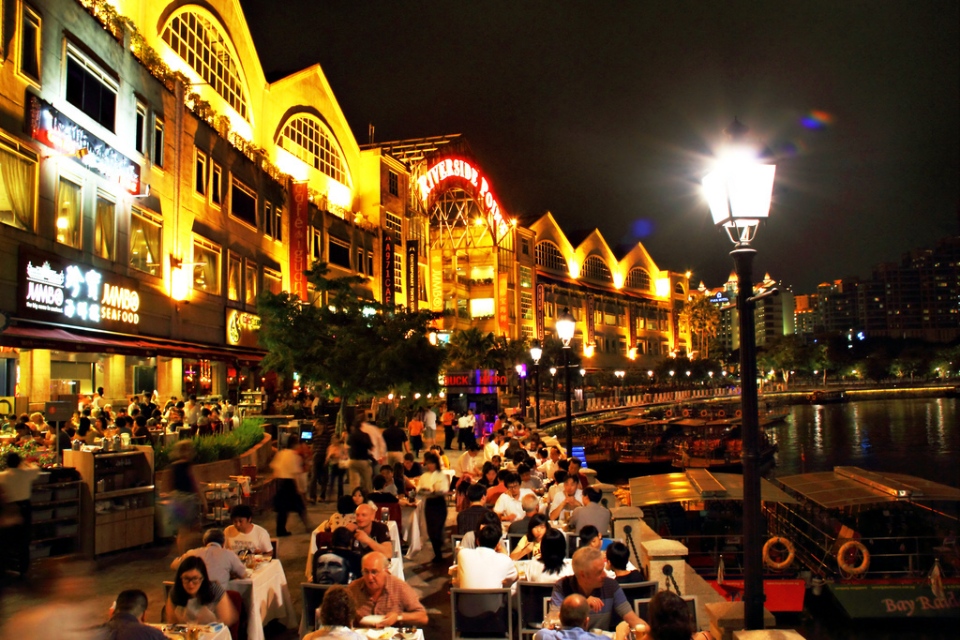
<point>243,329</point>
<point>462,170</point>
<point>62,134</point>
<point>719,298</point>
<point>58,290</point>
<point>476,381</point>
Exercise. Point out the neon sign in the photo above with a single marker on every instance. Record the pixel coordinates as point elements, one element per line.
<point>53,289</point>
<point>450,168</point>
<point>62,134</point>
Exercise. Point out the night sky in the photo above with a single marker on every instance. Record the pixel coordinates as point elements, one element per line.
<point>605,113</point>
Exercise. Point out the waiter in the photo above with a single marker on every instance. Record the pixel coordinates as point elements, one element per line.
<point>17,484</point>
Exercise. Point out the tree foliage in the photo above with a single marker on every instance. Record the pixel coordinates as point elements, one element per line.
<point>703,318</point>
<point>345,343</point>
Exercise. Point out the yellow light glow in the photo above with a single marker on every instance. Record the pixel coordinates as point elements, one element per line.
<point>291,164</point>
<point>663,287</point>
<point>339,195</point>
<point>478,221</point>
<point>574,268</point>
<point>179,284</point>
<point>617,280</point>
<point>588,350</point>
<point>632,354</point>
<point>62,223</point>
<point>688,274</point>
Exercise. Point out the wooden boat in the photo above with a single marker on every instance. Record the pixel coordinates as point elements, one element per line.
<point>827,396</point>
<point>718,446</point>
<point>876,540</point>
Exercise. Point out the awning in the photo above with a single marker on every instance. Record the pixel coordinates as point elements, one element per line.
<point>851,486</point>
<point>697,485</point>
<point>29,337</point>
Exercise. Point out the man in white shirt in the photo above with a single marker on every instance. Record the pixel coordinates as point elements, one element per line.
<point>551,465</point>
<point>191,412</point>
<point>429,427</point>
<point>493,446</point>
<point>222,564</point>
<point>379,450</point>
<point>509,506</point>
<point>465,426</point>
<point>569,499</point>
<point>470,463</point>
<point>243,535</point>
<point>288,473</point>
<point>17,484</point>
<point>484,568</point>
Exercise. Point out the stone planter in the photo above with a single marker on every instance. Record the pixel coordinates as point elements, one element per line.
<point>221,470</point>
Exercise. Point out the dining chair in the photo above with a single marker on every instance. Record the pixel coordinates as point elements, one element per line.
<point>533,600</point>
<point>312,597</point>
<point>481,614</point>
<point>642,608</point>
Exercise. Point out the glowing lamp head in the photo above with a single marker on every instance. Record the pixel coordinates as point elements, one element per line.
<point>739,189</point>
<point>583,373</point>
<point>536,352</point>
<point>553,371</point>
<point>566,327</point>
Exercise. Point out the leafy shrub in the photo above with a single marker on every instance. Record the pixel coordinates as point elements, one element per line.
<point>223,446</point>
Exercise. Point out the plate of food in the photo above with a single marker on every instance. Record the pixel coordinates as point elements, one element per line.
<point>371,620</point>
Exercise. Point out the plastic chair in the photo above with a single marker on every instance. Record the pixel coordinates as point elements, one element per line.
<point>395,513</point>
<point>312,597</point>
<point>533,599</point>
<point>642,605</point>
<point>490,623</point>
<point>638,590</point>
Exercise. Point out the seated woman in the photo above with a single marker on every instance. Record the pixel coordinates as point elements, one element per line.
<point>553,563</point>
<point>336,614</point>
<point>196,598</point>
<point>337,564</point>
<point>669,619</point>
<point>529,545</point>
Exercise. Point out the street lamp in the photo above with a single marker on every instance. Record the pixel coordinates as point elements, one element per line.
<point>566,326</point>
<point>536,352</point>
<point>619,375</point>
<point>553,383</point>
<point>522,375</point>
<point>739,191</point>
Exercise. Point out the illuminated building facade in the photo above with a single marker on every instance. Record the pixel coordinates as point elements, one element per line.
<point>773,315</point>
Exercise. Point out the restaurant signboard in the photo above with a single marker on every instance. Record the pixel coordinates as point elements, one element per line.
<point>870,600</point>
<point>299,245</point>
<point>473,381</point>
<point>243,329</point>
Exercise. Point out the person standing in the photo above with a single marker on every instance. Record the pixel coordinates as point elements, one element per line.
<point>16,481</point>
<point>358,450</point>
<point>448,419</point>
<point>465,425</point>
<point>432,486</point>
<point>322,438</point>
<point>415,428</point>
<point>287,468</point>
<point>429,427</point>
<point>396,439</point>
<point>187,502</point>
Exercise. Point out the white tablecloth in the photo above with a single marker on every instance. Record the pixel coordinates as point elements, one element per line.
<point>412,528</point>
<point>376,634</point>
<point>222,634</point>
<point>267,597</point>
<point>396,560</point>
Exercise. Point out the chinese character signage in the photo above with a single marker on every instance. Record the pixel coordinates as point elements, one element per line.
<point>413,275</point>
<point>65,292</point>
<point>299,241</point>
<point>243,329</point>
<point>62,134</point>
<point>539,312</point>
<point>387,271</point>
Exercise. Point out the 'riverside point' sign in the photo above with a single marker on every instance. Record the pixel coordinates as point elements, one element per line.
<point>463,171</point>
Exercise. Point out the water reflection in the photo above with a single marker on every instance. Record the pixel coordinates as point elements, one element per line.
<point>917,437</point>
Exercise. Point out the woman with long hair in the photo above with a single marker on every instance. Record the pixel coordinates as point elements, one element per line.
<point>553,563</point>
<point>488,475</point>
<point>529,545</point>
<point>196,598</point>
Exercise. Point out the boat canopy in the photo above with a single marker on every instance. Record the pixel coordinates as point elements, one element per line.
<point>852,486</point>
<point>695,485</point>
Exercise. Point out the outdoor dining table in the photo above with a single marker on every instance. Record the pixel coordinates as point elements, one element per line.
<point>266,596</point>
<point>214,632</point>
<point>388,633</point>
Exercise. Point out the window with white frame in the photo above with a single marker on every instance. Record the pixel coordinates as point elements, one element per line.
<point>250,282</point>
<point>105,226</point>
<point>206,267</point>
<point>398,271</point>
<point>140,130</point>
<point>596,269</point>
<point>69,213</point>
<point>273,221</point>
<point>549,256</point>
<point>308,139</point>
<point>158,130</point>
<point>30,42</point>
<point>146,232</point>
<point>216,183</point>
<point>338,252</point>
<point>526,305</point>
<point>90,89</point>
<point>200,43</point>
<point>243,203</point>
<point>200,172</point>
<point>316,245</point>
<point>18,188</point>
<point>272,281</point>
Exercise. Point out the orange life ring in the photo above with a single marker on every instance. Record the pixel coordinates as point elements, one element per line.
<point>721,414</point>
<point>704,413</point>
<point>768,557</point>
<point>852,547</point>
<point>669,413</point>
<point>738,413</point>
<point>686,413</point>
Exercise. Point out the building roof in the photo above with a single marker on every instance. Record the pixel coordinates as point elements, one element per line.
<point>852,486</point>
<point>413,150</point>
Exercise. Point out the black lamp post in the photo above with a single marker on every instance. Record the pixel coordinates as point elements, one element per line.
<point>536,352</point>
<point>739,191</point>
<point>553,383</point>
<point>522,375</point>
<point>566,327</point>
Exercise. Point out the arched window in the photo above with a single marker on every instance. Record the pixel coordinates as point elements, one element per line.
<point>596,269</point>
<point>549,256</point>
<point>678,288</point>
<point>200,43</point>
<point>638,278</point>
<point>309,139</point>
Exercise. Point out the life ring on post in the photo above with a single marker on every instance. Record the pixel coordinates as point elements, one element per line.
<point>686,413</point>
<point>768,551</point>
<point>849,550</point>
<point>669,413</point>
<point>721,413</point>
<point>738,413</point>
<point>704,413</point>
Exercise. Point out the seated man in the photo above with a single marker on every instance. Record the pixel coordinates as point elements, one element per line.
<point>411,468</point>
<point>531,507</point>
<point>390,485</point>
<point>589,537</point>
<point>619,566</point>
<point>127,621</point>
<point>567,500</point>
<point>380,593</point>
<point>574,621</point>
<point>243,535</point>
<point>468,518</point>
<point>603,594</point>
<point>591,513</point>
<point>527,479</point>
<point>222,564</point>
<point>508,505</point>
<point>484,568</point>
<point>380,495</point>
<point>369,534</point>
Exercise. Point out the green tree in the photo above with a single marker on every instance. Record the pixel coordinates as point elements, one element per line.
<point>471,349</point>
<point>703,318</point>
<point>782,354</point>
<point>350,345</point>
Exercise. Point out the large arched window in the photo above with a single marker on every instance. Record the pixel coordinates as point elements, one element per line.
<point>549,256</point>
<point>197,40</point>
<point>639,279</point>
<point>307,138</point>
<point>596,269</point>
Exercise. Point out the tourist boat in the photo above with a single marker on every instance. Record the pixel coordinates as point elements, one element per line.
<point>827,396</point>
<point>882,544</point>
<point>717,445</point>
